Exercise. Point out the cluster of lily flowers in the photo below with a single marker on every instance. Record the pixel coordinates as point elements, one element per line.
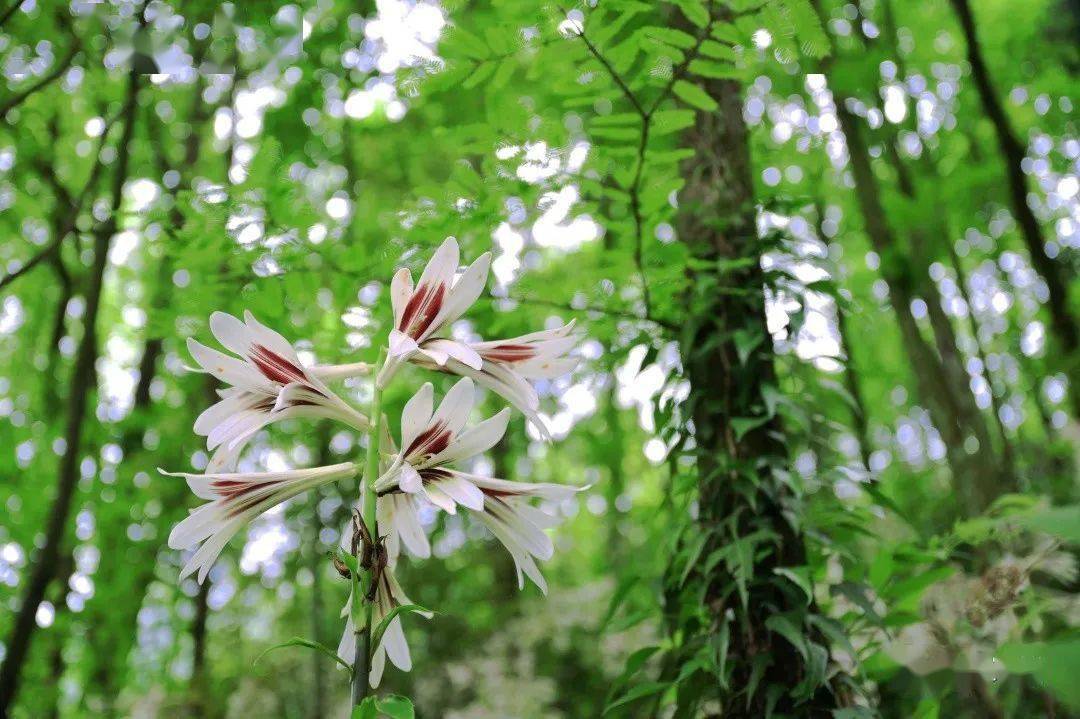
<point>267,382</point>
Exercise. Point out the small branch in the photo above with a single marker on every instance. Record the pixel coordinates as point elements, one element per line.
<point>634,191</point>
<point>679,72</point>
<point>47,173</point>
<point>33,262</point>
<point>635,186</point>
<point>542,42</point>
<point>9,12</point>
<point>614,75</point>
<point>618,314</point>
<point>60,69</point>
<point>69,226</point>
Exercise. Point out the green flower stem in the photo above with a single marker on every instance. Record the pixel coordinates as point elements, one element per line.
<point>361,666</point>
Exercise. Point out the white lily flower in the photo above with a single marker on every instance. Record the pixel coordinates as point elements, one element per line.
<point>423,312</point>
<point>268,383</point>
<point>234,500</point>
<point>432,440</point>
<point>388,595</point>
<point>518,525</point>
<point>505,512</point>
<point>509,364</point>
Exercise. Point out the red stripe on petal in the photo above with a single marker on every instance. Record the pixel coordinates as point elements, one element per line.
<point>509,353</point>
<point>498,494</point>
<point>431,441</point>
<point>275,367</point>
<point>422,309</point>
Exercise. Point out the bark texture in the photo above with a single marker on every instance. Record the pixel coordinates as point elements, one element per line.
<point>742,493</point>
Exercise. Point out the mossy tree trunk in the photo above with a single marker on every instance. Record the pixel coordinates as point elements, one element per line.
<point>756,625</point>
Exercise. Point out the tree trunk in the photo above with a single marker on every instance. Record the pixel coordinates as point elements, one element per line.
<point>1066,326</point>
<point>859,419</point>
<point>114,568</point>
<point>83,380</point>
<point>925,241</point>
<point>198,702</point>
<point>998,391</point>
<point>318,672</point>
<point>972,471</point>
<point>744,499</point>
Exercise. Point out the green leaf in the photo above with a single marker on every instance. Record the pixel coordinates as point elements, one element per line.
<point>638,692</point>
<point>366,710</point>
<point>617,118</point>
<point>783,625</point>
<point>348,560</point>
<point>800,577</point>
<point>622,591</point>
<point>715,70</point>
<point>1052,663</point>
<point>807,24</point>
<point>857,594</point>
<point>693,556</point>
<point>928,708</point>
<point>666,122</point>
<point>913,587</point>
<point>480,75</point>
<point>717,51</point>
<point>1063,522</point>
<point>468,43</point>
<point>695,11</point>
<point>391,705</point>
<point>310,644</point>
<point>380,628</point>
<point>634,664</point>
<point>881,567</point>
<point>816,664</point>
<point>694,96</point>
<point>746,341</point>
<point>744,425</point>
<point>670,36</point>
<point>396,707</point>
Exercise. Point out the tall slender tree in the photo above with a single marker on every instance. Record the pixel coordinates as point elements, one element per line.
<point>973,468</point>
<point>1063,318</point>
<point>774,661</point>
<point>82,383</point>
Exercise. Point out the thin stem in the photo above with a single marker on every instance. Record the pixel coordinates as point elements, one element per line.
<point>361,669</point>
<point>634,191</point>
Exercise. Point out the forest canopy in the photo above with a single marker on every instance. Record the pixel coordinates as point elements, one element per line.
<point>527,360</point>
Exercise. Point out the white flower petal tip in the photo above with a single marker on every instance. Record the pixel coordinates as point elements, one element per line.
<point>341,371</point>
<point>393,646</point>
<point>422,313</point>
<point>267,382</point>
<point>234,499</point>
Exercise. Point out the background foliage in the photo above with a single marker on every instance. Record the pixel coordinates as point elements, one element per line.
<point>903,356</point>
